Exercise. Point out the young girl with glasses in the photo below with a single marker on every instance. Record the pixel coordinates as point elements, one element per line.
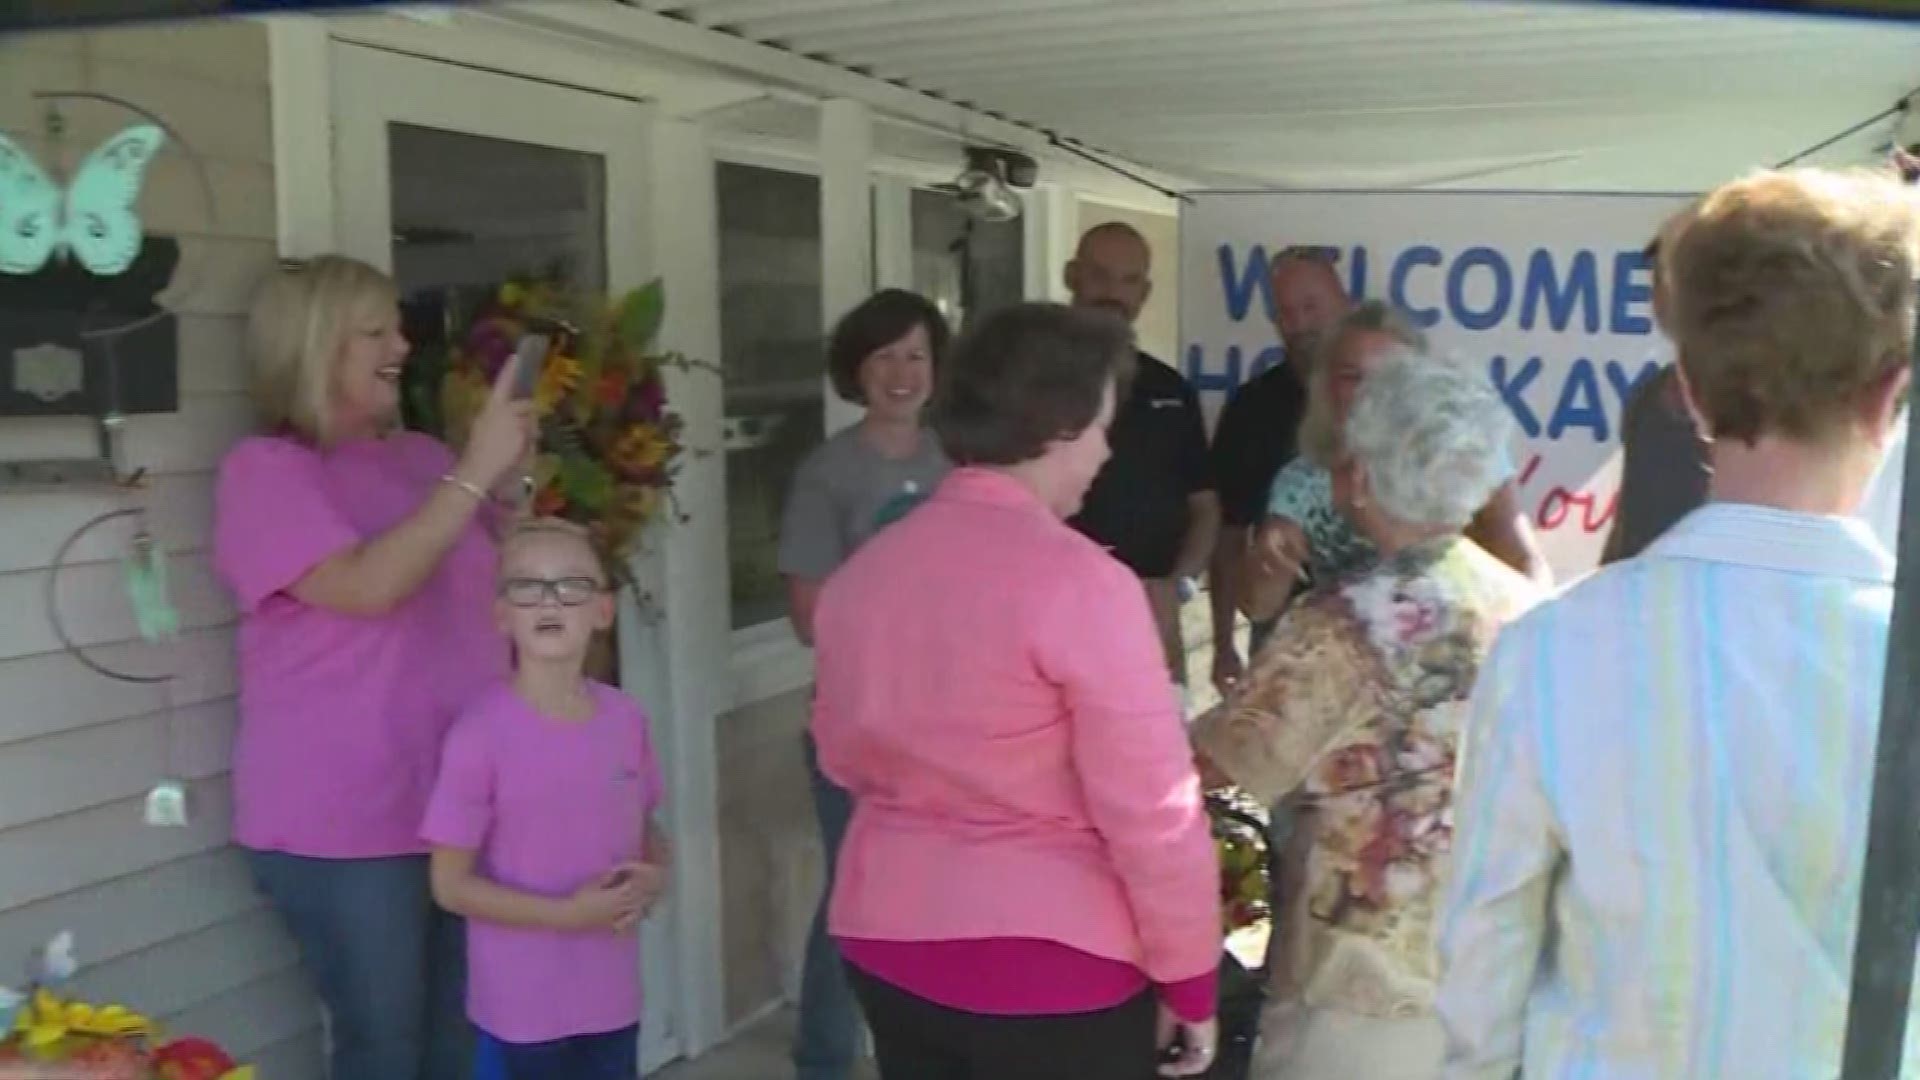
<point>543,830</point>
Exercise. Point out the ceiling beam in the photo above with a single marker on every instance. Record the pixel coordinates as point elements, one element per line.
<point>1087,29</point>
<point>1410,64</point>
<point>1100,124</point>
<point>1283,38</point>
<point>914,21</point>
<point>739,13</point>
<point>641,35</point>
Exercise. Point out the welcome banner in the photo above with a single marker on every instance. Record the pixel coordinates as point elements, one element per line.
<point>1547,292</point>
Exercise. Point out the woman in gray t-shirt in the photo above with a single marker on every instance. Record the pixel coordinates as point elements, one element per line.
<point>882,357</point>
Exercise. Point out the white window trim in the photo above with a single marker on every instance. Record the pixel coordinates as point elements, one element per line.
<point>760,153</point>
<point>768,660</point>
<point>765,660</point>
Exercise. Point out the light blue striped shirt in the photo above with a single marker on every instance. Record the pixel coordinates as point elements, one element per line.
<point>1662,815</point>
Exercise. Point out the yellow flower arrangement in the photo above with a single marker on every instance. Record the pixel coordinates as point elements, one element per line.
<point>608,445</point>
<point>41,1026</point>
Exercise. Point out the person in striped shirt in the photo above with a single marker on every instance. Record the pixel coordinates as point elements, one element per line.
<point>1663,795</point>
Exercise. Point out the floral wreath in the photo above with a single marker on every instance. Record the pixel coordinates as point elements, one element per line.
<point>608,446</point>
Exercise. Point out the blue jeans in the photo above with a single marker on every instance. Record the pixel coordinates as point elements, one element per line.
<point>829,1035</point>
<point>612,1055</point>
<point>390,966</point>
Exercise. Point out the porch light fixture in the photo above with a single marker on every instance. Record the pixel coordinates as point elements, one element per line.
<point>986,189</point>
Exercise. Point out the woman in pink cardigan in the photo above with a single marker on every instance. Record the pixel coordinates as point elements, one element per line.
<point>1028,887</point>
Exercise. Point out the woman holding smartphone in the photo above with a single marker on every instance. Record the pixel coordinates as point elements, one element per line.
<point>361,561</point>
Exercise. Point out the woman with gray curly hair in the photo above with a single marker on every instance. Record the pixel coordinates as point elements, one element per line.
<point>1355,704</point>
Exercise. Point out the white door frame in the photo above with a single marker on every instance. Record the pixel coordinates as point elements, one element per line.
<point>322,83</point>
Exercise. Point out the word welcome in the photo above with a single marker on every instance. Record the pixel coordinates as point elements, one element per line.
<point>1477,288</point>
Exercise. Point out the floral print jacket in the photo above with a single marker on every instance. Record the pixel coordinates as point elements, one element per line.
<point>1355,704</point>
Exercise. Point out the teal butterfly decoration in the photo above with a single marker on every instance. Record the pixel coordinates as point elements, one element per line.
<point>92,221</point>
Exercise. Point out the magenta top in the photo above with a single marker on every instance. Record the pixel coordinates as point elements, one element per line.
<point>1019,977</point>
<point>549,806</point>
<point>341,716</point>
<point>993,694</point>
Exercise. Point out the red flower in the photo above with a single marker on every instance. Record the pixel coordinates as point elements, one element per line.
<point>191,1059</point>
<point>112,1060</point>
<point>611,390</point>
<point>549,502</point>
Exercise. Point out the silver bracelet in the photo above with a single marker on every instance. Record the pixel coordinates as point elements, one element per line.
<point>468,487</point>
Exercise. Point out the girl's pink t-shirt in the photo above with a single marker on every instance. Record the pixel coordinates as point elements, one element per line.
<point>549,806</point>
<point>342,716</point>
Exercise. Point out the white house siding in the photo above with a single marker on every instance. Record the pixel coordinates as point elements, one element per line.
<point>166,919</point>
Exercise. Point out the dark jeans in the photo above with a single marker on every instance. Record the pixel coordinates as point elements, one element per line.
<point>390,966</point>
<point>612,1055</point>
<point>827,1043</point>
<point>919,1040</point>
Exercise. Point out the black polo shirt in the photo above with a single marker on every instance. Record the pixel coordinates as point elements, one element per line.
<point>1258,433</point>
<point>1137,506</point>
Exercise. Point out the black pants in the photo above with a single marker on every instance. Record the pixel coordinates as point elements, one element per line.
<point>916,1039</point>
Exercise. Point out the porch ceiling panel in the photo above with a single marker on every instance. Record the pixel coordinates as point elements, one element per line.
<point>1344,92</point>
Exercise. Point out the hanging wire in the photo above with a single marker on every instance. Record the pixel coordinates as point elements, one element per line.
<point>1061,142</point>
<point>56,125</point>
<point>1896,109</point>
<point>169,706</point>
<point>59,625</point>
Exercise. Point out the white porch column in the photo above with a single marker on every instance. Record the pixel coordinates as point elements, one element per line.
<point>304,182</point>
<point>692,594</point>
<point>1052,231</point>
<point>846,224</point>
<point>892,233</point>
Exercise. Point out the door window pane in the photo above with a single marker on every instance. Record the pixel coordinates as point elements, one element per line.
<point>470,212</point>
<point>771,347</point>
<point>965,266</point>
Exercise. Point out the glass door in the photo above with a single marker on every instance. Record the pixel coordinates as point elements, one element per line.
<point>458,180</point>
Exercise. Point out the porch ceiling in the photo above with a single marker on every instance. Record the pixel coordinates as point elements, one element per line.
<point>1374,92</point>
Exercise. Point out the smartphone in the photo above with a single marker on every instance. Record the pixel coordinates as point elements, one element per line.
<point>532,355</point>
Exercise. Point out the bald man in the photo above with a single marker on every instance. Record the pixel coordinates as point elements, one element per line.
<point>1153,504</point>
<point>1259,433</point>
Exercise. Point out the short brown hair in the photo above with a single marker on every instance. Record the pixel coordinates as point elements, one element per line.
<point>300,318</point>
<point>1025,376</point>
<point>1792,297</point>
<point>1656,256</point>
<point>875,323</point>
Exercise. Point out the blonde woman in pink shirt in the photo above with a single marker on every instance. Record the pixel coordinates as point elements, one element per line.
<point>358,557</point>
<point>1028,889</point>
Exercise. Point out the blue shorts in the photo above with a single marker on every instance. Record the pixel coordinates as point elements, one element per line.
<point>612,1055</point>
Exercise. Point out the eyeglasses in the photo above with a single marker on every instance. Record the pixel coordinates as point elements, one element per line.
<point>567,591</point>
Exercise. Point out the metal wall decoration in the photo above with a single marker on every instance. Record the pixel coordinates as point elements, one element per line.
<point>83,330</point>
<point>88,219</point>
